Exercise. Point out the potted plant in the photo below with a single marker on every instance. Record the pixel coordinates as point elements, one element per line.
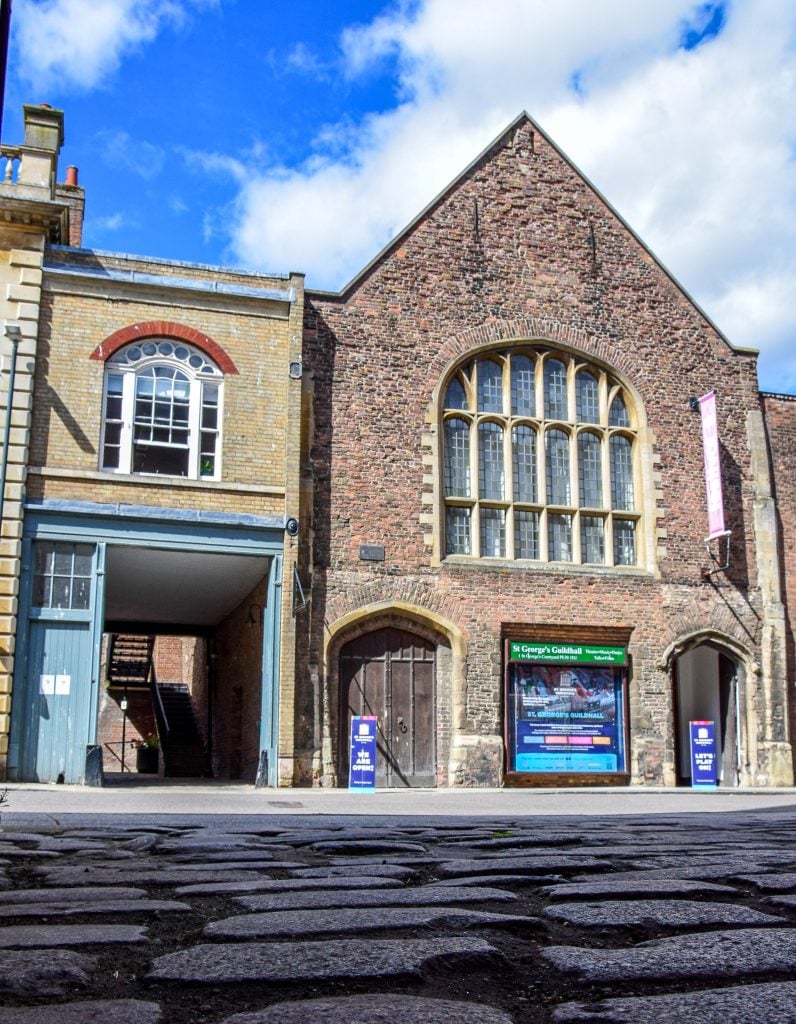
<point>147,750</point>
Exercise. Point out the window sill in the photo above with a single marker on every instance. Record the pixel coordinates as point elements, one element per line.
<point>154,480</point>
<point>549,568</point>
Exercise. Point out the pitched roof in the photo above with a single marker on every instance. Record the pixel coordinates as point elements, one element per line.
<point>522,118</point>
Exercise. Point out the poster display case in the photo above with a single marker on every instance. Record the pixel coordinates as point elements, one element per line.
<point>565,710</point>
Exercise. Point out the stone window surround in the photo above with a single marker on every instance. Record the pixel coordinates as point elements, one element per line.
<point>645,479</point>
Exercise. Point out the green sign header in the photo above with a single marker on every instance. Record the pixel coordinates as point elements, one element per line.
<point>567,653</point>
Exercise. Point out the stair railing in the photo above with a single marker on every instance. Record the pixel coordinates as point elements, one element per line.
<point>161,718</point>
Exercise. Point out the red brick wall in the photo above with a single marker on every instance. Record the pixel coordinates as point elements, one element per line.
<point>111,727</point>
<point>519,248</point>
<point>183,659</point>
<point>236,651</point>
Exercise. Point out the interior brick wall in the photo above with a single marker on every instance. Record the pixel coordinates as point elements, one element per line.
<point>236,652</point>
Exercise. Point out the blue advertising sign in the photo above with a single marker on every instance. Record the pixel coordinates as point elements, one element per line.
<point>703,755</point>
<point>362,773</point>
<point>565,719</point>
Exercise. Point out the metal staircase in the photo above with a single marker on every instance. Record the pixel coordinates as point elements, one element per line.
<point>129,667</point>
<point>129,663</point>
<point>184,753</point>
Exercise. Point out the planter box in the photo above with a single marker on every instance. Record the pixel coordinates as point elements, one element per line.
<point>146,760</point>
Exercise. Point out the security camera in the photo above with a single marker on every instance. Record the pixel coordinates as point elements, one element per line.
<point>292,527</point>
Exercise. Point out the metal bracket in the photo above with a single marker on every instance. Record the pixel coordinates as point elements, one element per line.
<point>719,564</point>
<point>300,600</point>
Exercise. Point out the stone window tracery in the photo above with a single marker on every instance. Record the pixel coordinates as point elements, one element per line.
<point>538,460</point>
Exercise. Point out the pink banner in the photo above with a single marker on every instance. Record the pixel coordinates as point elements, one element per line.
<point>710,442</point>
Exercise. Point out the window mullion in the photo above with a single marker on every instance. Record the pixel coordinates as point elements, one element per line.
<point>194,413</point>
<point>126,441</point>
<point>475,487</point>
<point>602,391</point>
<point>508,483</point>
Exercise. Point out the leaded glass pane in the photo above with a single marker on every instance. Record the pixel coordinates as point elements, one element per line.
<point>555,390</point>
<point>457,457</point>
<point>455,396</point>
<point>523,455</point>
<point>559,538</point>
<point>490,461</point>
<point>493,533</point>
<point>587,397</point>
<point>621,452</point>
<point>457,531</point>
<point>557,457</point>
<point>624,542</point>
<point>592,539</point>
<point>618,416</point>
<point>526,534</point>
<point>523,386</point>
<point>590,478</point>
<point>490,386</point>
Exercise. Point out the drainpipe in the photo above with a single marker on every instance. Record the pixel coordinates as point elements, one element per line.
<point>14,335</point>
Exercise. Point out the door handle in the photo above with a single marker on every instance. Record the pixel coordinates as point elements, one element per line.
<point>401,725</point>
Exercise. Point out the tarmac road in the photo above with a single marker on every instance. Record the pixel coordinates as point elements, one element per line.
<point>215,904</point>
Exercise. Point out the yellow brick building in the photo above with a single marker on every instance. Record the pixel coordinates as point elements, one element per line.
<point>151,488</point>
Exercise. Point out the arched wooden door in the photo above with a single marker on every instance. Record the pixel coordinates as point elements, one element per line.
<point>390,674</point>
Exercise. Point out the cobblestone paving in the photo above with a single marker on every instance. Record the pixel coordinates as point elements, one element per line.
<point>259,920</point>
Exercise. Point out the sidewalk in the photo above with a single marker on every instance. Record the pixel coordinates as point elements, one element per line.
<point>216,798</point>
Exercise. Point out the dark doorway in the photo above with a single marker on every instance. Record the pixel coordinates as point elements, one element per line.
<point>706,688</point>
<point>390,674</point>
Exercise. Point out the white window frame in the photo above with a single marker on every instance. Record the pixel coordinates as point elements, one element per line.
<point>118,366</point>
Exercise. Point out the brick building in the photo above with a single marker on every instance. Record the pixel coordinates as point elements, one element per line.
<point>508,515</point>
<point>150,479</point>
<point>468,498</point>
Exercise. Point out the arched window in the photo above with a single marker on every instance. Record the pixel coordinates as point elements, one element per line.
<point>162,411</point>
<point>538,460</point>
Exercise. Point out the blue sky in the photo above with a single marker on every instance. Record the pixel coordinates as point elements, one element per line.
<point>303,137</point>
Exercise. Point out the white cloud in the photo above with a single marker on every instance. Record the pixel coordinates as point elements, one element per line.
<point>82,42</point>
<point>122,152</point>
<point>113,222</point>
<point>695,148</point>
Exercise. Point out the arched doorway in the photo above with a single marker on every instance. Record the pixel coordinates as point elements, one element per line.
<point>706,688</point>
<point>390,673</point>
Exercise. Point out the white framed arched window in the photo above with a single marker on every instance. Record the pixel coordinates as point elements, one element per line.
<point>539,460</point>
<point>162,408</point>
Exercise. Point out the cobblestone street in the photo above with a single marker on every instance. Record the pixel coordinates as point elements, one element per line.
<point>327,919</point>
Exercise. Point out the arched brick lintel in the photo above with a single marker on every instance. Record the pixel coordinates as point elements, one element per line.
<point>534,328</point>
<point>164,329</point>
